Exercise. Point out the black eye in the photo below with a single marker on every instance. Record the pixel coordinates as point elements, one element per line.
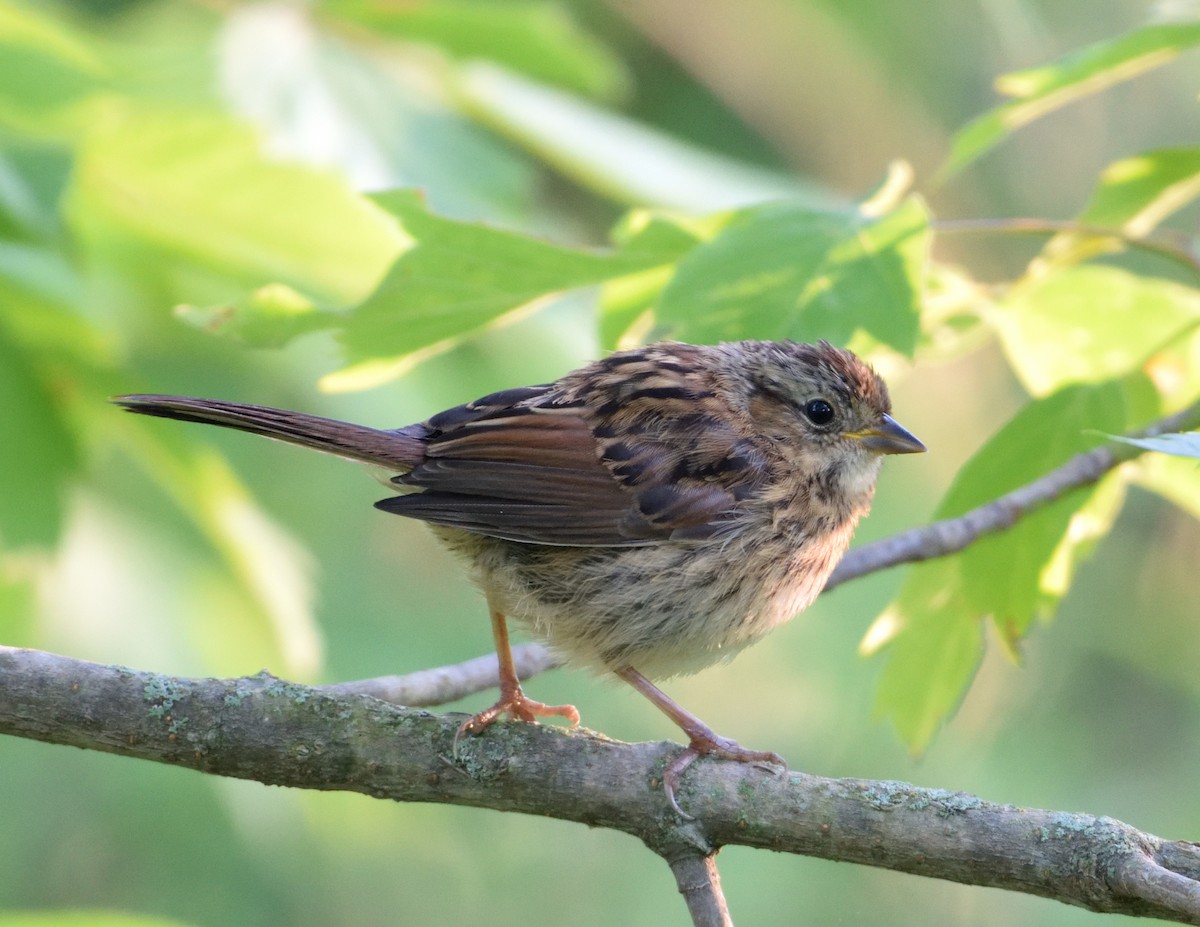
<point>818,411</point>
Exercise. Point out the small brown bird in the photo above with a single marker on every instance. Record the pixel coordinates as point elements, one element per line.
<point>647,515</point>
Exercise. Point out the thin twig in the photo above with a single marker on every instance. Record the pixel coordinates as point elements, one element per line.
<point>1182,254</point>
<point>444,684</point>
<point>951,535</point>
<point>937,539</point>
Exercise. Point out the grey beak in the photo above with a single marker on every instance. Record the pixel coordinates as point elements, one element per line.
<point>890,437</point>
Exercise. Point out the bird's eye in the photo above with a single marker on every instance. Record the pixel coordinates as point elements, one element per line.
<point>818,411</point>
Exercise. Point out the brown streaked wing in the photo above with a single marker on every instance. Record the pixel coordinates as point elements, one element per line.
<point>550,468</point>
<point>519,475</point>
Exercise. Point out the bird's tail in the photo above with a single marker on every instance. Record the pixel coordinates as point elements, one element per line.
<point>399,450</point>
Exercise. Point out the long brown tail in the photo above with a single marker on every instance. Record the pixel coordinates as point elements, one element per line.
<point>396,450</point>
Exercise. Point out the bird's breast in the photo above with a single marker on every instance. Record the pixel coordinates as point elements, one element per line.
<point>665,609</point>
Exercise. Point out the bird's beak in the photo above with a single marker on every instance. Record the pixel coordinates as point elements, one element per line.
<point>888,437</point>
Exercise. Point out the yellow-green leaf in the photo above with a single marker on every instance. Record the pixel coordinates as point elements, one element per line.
<point>196,187</point>
<point>1090,323</point>
<point>1041,90</point>
<point>932,629</point>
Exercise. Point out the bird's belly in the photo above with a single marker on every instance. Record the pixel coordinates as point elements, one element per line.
<point>665,610</point>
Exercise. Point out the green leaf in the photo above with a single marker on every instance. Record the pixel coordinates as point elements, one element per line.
<point>43,67</point>
<point>627,303</point>
<point>1138,193</point>
<point>1090,323</point>
<point>195,187</point>
<point>1041,90</point>
<point>1179,445</point>
<point>460,276</point>
<point>931,659</point>
<point>627,307</point>
<point>1133,196</point>
<point>269,317</point>
<point>1014,576</point>
<point>786,270</point>
<point>1045,434</point>
<point>38,452</point>
<point>537,39</point>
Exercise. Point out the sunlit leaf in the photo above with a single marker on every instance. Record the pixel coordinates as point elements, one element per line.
<point>269,317</point>
<point>461,275</point>
<point>1015,576</point>
<point>786,270</point>
<point>1090,323</point>
<point>1041,90</point>
<point>1089,524</point>
<point>1179,445</point>
<point>197,187</point>
<point>1137,193</point>
<point>627,307</point>
<point>1133,196</point>
<point>626,303</point>
<point>1043,435</point>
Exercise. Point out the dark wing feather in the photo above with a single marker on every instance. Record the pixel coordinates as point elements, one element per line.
<point>527,522</point>
<point>610,456</point>
<point>521,475</point>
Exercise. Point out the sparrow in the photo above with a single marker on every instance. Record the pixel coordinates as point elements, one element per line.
<point>647,515</point>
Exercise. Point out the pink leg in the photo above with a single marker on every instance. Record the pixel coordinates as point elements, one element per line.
<point>703,741</point>
<point>512,700</point>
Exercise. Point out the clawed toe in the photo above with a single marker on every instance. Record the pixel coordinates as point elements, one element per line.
<point>517,706</point>
<point>709,744</point>
<point>512,700</point>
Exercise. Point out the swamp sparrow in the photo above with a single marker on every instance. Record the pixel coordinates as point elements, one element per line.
<point>650,513</point>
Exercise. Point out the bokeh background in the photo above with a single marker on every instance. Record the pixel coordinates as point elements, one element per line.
<point>216,554</point>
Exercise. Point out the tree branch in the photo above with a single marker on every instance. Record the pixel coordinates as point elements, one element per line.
<point>951,535</point>
<point>282,733</point>
<point>937,539</point>
<point>700,884</point>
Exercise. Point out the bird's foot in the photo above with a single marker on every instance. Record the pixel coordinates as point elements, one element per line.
<point>706,743</point>
<point>516,705</point>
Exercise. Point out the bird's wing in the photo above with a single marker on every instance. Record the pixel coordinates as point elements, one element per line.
<point>541,466</point>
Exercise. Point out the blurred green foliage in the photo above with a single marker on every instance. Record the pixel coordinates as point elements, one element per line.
<point>409,205</point>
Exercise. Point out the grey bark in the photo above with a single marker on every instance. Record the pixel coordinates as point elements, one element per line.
<point>281,733</point>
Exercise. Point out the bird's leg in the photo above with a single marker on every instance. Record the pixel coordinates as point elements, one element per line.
<point>703,741</point>
<point>512,700</point>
